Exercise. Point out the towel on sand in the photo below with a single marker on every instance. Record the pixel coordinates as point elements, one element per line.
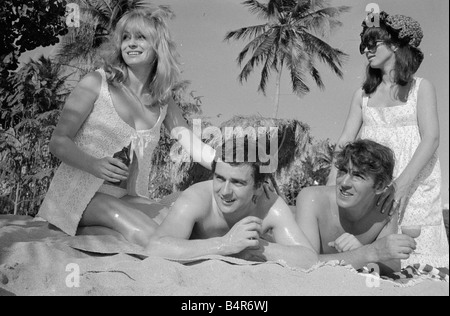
<point>38,260</point>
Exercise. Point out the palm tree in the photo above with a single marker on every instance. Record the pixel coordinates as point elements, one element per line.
<point>82,47</point>
<point>287,40</point>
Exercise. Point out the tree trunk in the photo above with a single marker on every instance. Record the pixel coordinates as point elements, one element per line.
<point>16,201</point>
<point>277,94</point>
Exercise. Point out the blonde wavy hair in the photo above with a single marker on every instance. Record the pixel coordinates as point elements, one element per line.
<point>150,22</point>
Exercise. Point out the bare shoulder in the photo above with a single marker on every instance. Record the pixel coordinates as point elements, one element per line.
<point>426,87</point>
<point>359,94</point>
<point>88,88</point>
<point>92,79</point>
<point>316,194</point>
<point>315,198</point>
<point>197,199</point>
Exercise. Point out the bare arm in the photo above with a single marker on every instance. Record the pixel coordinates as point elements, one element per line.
<point>78,107</point>
<point>386,251</point>
<point>171,239</point>
<point>394,264</point>
<point>308,207</point>
<point>178,128</point>
<point>351,129</point>
<point>290,243</point>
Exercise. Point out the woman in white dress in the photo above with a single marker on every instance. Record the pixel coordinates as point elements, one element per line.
<point>399,110</point>
<point>121,106</point>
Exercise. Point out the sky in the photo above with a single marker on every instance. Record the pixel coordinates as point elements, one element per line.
<point>210,64</point>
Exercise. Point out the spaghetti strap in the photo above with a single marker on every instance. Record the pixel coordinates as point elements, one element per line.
<point>415,91</point>
<point>365,101</point>
<point>104,86</point>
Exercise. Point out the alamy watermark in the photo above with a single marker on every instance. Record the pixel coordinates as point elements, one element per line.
<point>73,15</point>
<point>373,15</point>
<point>373,276</point>
<point>73,278</point>
<point>262,147</point>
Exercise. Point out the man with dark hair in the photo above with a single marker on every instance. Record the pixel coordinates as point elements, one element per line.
<point>342,221</point>
<point>230,214</point>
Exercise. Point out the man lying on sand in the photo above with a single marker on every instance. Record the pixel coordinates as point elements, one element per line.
<point>343,222</point>
<point>230,214</point>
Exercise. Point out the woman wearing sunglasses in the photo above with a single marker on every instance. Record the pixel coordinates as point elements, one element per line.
<point>399,110</point>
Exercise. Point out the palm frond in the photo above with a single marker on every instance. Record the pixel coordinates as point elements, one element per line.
<point>259,9</point>
<point>266,45</point>
<point>299,86</point>
<point>250,46</point>
<point>333,57</point>
<point>259,37</point>
<point>265,73</point>
<point>249,67</point>
<point>263,48</point>
<point>316,76</point>
<point>246,32</point>
<point>322,21</point>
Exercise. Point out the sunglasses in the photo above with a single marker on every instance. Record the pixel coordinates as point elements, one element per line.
<point>371,47</point>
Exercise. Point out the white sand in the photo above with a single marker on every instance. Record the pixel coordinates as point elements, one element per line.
<point>34,259</point>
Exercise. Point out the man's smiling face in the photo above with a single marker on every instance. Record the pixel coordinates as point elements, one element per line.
<point>233,187</point>
<point>354,188</point>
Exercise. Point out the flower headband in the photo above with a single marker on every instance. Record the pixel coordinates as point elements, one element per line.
<point>406,29</point>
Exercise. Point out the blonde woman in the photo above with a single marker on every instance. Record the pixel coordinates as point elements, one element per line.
<point>121,106</point>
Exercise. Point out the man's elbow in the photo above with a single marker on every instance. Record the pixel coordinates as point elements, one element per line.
<point>154,247</point>
<point>308,258</point>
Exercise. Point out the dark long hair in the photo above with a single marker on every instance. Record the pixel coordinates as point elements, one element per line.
<point>407,58</point>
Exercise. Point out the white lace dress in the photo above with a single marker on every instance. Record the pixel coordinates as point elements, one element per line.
<point>102,134</point>
<point>397,128</point>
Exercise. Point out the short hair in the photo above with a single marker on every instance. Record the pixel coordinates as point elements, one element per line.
<point>151,22</point>
<point>370,158</point>
<point>242,151</point>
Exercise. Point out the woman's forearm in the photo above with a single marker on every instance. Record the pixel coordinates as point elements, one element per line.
<point>68,152</point>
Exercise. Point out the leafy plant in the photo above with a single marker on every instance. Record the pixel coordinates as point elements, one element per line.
<point>84,46</point>
<point>26,25</point>
<point>29,114</point>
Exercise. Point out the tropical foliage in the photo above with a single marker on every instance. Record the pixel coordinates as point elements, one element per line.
<point>287,40</point>
<point>302,160</point>
<point>31,100</point>
<point>84,47</point>
<point>26,25</point>
<point>29,114</point>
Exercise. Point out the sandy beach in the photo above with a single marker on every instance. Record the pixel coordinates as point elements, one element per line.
<point>36,260</point>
